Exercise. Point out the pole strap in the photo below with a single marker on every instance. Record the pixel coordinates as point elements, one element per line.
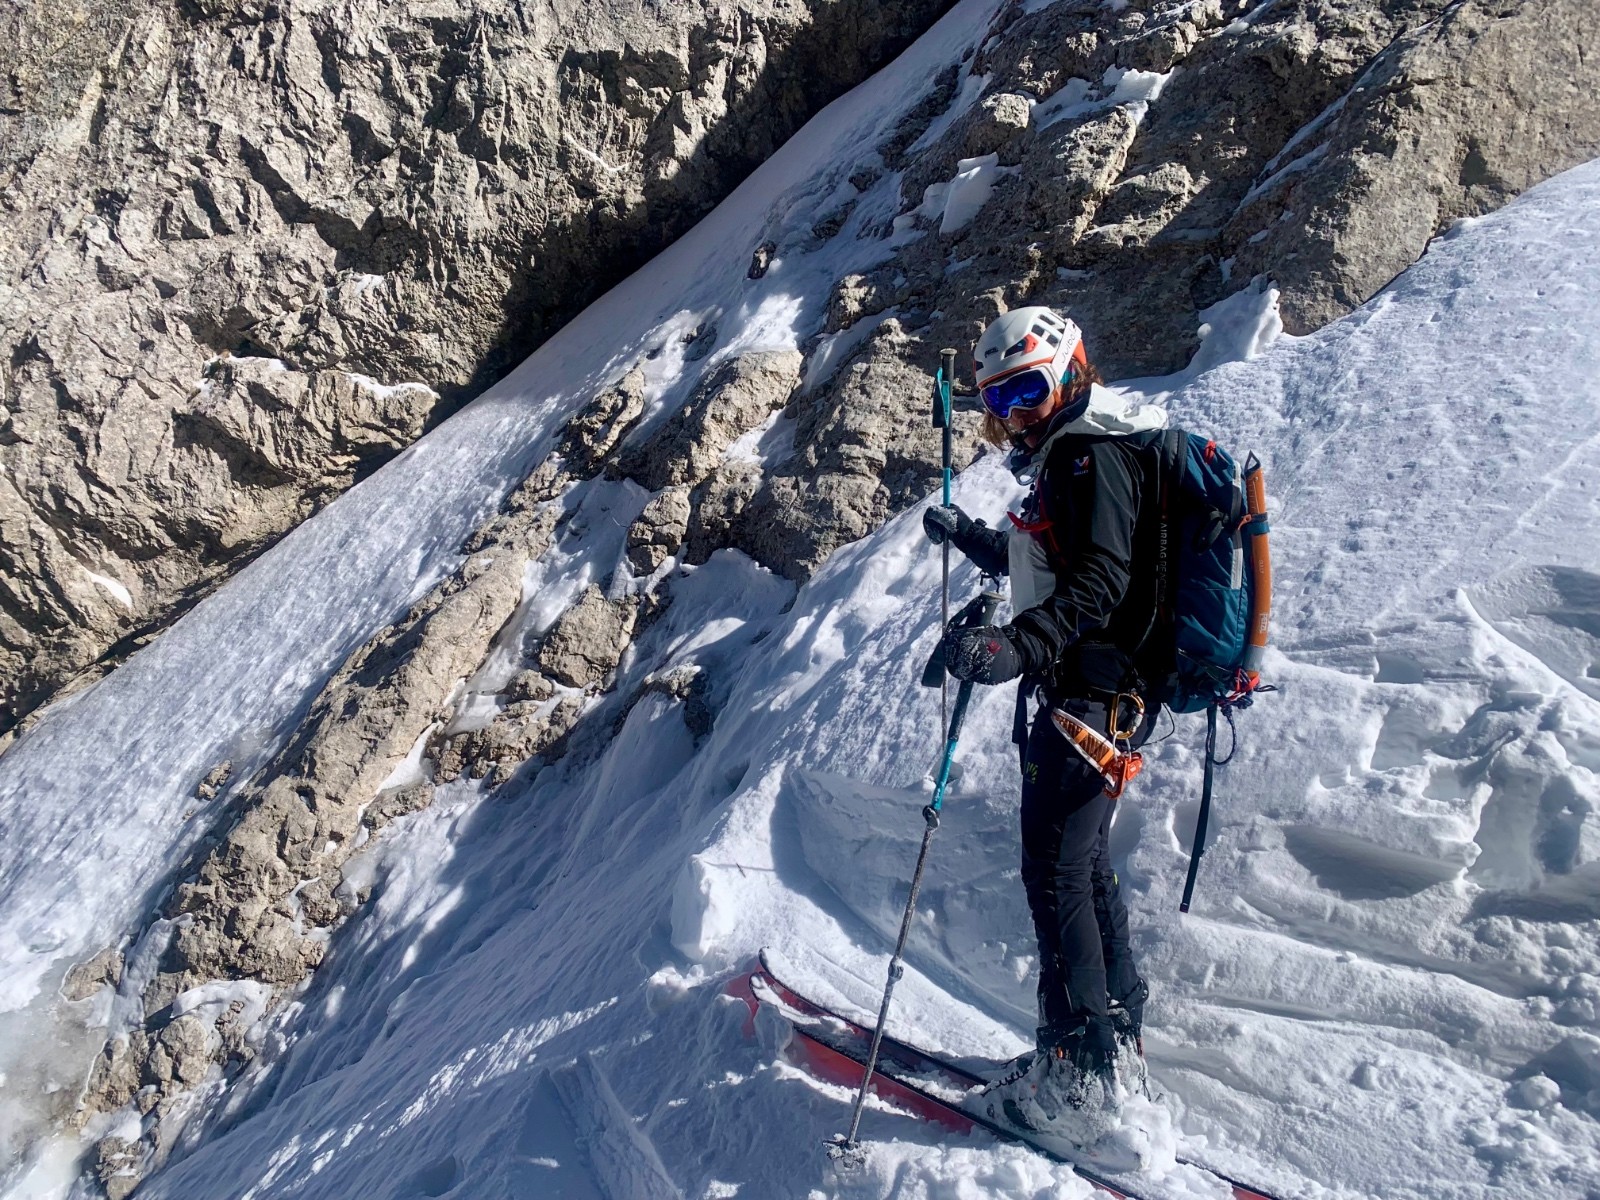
<point>1205,808</point>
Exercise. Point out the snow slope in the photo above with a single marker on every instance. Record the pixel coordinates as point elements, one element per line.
<point>1391,979</point>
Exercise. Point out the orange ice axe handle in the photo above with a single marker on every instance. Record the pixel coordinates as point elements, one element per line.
<point>1256,529</point>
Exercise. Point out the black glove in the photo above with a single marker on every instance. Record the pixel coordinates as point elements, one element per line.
<point>983,654</point>
<point>946,523</point>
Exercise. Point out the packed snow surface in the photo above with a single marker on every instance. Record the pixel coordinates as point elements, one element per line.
<point>1390,981</point>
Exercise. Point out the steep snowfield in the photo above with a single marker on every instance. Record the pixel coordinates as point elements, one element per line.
<point>1390,981</point>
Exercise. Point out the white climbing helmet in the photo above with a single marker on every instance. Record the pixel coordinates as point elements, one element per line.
<point>1023,356</point>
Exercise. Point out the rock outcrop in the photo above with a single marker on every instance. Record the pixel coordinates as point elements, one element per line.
<point>235,233</point>
<point>734,399</point>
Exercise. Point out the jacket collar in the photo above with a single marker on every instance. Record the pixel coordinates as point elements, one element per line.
<point>1109,414</point>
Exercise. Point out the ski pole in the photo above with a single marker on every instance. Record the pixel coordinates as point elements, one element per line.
<point>980,611</point>
<point>942,421</point>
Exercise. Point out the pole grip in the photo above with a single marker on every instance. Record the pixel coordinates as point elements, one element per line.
<point>947,373</point>
<point>943,383</point>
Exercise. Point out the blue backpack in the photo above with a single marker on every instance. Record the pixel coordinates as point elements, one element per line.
<point>1217,577</point>
<point>1216,584</point>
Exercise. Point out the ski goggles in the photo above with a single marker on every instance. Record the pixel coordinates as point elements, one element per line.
<point>1025,389</point>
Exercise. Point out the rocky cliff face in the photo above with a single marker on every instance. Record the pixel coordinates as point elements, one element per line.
<point>1136,163</point>
<point>236,235</point>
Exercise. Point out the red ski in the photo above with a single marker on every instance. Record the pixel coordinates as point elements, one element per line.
<point>834,1048</point>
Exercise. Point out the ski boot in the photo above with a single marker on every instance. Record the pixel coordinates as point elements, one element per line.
<point>1127,1024</point>
<point>1067,1089</point>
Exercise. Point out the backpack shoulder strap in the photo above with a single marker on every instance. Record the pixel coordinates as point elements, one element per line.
<point>1169,445</point>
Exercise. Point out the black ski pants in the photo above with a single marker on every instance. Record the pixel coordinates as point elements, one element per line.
<point>1073,892</point>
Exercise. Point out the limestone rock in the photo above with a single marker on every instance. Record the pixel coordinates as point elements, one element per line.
<point>864,448</point>
<point>303,821</point>
<point>716,518</point>
<point>692,686</point>
<point>856,296</point>
<point>249,908</point>
<point>115,1076</point>
<point>529,685</point>
<point>998,126</point>
<point>734,399</point>
<point>182,1053</point>
<point>118,1166</point>
<point>215,780</point>
<point>520,732</point>
<point>602,423</point>
<point>397,803</point>
<point>659,531</point>
<point>587,641</point>
<point>1453,120</point>
<point>368,195</point>
<point>87,978</point>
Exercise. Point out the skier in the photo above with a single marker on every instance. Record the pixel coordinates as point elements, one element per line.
<point>1081,562</point>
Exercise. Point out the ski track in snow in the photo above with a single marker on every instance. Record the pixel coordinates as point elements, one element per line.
<point>1391,979</point>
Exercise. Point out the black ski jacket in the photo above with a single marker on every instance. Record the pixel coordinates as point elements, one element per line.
<point>1096,506</point>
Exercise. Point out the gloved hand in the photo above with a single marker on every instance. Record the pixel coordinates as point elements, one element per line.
<point>945,523</point>
<point>983,654</point>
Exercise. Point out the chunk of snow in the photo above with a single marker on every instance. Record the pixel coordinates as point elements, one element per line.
<point>1128,86</point>
<point>1118,86</point>
<point>117,590</point>
<point>969,191</point>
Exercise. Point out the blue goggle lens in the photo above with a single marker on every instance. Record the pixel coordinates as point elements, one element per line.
<point>1027,390</point>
